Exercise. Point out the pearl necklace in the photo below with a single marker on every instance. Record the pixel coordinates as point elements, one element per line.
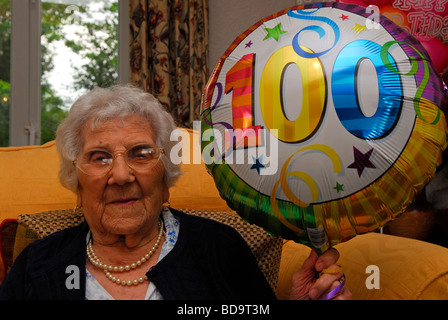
<point>107,269</point>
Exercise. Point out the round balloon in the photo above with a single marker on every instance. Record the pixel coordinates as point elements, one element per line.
<point>319,123</point>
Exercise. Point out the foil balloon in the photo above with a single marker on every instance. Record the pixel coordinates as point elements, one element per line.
<point>319,124</point>
<point>425,20</point>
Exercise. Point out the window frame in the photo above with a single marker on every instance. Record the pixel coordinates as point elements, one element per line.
<point>25,107</point>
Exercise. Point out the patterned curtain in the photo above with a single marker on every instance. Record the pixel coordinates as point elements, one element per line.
<point>169,53</point>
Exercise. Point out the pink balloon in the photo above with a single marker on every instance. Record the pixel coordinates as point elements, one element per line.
<point>438,51</point>
<point>358,2</point>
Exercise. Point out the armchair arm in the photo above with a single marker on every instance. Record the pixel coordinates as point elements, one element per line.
<point>408,269</point>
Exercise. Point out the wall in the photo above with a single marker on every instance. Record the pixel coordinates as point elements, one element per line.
<point>230,18</point>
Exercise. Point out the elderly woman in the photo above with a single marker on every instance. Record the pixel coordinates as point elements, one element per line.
<point>113,147</point>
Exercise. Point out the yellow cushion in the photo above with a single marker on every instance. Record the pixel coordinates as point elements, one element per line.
<point>29,181</point>
<point>196,188</point>
<point>408,269</point>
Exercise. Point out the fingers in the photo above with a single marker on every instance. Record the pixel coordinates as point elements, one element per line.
<point>325,284</point>
<point>304,278</point>
<point>330,257</point>
<point>344,294</point>
<point>310,262</point>
<point>331,278</point>
<point>306,285</point>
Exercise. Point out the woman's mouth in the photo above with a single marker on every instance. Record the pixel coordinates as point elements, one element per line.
<point>124,202</point>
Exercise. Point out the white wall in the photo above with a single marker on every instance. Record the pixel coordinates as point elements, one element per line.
<point>230,18</point>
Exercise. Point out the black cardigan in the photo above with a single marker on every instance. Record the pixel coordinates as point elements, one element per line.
<point>209,261</point>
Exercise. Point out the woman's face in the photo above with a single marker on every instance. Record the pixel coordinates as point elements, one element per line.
<point>123,201</point>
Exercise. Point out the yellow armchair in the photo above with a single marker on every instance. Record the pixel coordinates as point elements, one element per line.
<point>377,266</point>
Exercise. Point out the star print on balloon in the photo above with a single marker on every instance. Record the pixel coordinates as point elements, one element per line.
<point>257,164</point>
<point>275,32</point>
<point>358,28</point>
<point>339,187</point>
<point>362,161</point>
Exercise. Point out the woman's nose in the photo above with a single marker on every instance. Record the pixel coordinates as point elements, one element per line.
<point>121,173</point>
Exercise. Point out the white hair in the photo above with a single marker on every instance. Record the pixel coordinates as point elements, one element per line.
<point>103,104</point>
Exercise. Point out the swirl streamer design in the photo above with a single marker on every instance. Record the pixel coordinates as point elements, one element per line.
<point>415,67</point>
<point>337,168</point>
<point>301,14</point>
<point>311,102</point>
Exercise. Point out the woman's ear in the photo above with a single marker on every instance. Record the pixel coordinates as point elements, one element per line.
<point>79,199</point>
<point>166,195</point>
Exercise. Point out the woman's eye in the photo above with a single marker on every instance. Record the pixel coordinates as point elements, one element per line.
<point>100,157</point>
<point>141,153</point>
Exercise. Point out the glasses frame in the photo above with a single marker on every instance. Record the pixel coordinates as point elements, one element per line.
<point>124,155</point>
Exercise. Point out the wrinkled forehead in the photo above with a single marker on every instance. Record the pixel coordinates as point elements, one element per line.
<point>123,130</point>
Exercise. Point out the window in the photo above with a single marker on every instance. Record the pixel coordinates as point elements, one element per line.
<point>60,49</point>
<point>5,57</point>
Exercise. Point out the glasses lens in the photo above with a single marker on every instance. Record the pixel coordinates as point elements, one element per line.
<point>95,162</point>
<point>98,162</point>
<point>143,157</point>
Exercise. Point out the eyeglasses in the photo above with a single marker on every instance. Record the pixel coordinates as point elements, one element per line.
<point>100,162</point>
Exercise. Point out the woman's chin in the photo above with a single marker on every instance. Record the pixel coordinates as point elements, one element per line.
<point>123,227</point>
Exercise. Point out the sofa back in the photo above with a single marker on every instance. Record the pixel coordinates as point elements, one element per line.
<point>29,181</point>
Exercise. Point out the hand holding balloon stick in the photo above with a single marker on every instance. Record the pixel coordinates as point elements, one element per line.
<point>317,128</point>
<point>329,284</point>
